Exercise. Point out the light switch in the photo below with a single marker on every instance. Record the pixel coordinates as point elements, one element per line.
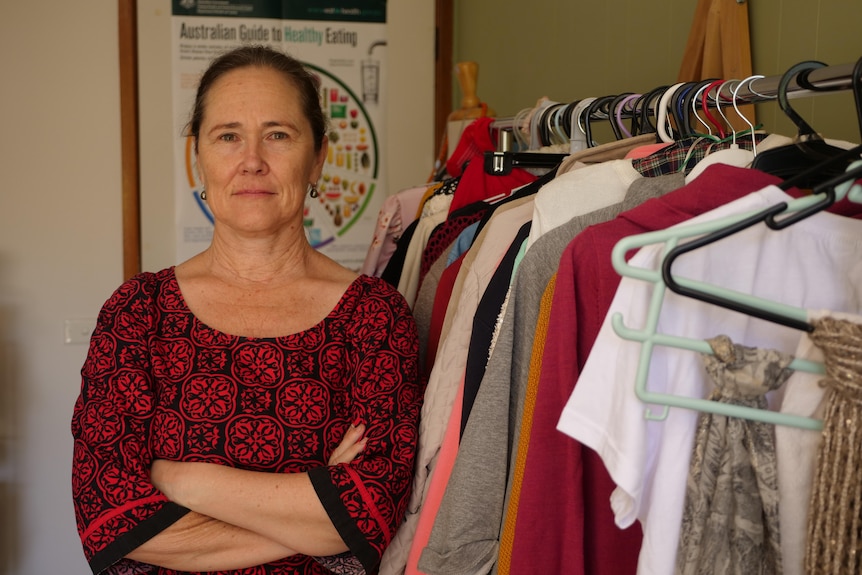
<point>78,331</point>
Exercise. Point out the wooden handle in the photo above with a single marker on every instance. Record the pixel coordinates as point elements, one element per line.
<point>468,76</point>
<point>471,107</point>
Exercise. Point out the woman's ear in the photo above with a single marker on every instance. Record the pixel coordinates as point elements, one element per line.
<point>320,160</point>
<point>197,167</point>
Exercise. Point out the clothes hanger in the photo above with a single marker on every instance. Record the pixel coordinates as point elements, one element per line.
<point>650,337</point>
<point>536,122</point>
<point>635,123</point>
<point>578,139</point>
<point>679,110</point>
<point>751,127</point>
<point>719,107</point>
<point>825,194</point>
<point>627,106</point>
<point>809,149</point>
<point>663,128</point>
<point>694,102</point>
<point>705,108</point>
<point>647,109</point>
<point>559,135</point>
<point>566,119</point>
<point>735,155</point>
<point>857,91</point>
<point>502,163</point>
<point>548,131</point>
<point>596,110</point>
<point>615,115</point>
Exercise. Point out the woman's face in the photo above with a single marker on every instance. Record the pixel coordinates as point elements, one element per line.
<point>256,152</point>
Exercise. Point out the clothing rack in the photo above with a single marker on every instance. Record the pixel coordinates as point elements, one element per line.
<point>811,82</point>
<point>826,79</point>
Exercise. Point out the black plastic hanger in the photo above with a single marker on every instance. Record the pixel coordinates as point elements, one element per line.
<point>809,150</point>
<point>857,91</point>
<point>501,163</point>
<point>596,110</point>
<point>647,108</point>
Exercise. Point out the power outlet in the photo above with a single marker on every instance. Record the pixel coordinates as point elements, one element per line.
<point>78,331</point>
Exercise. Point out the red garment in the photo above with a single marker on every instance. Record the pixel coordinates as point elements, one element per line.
<point>445,234</point>
<point>157,383</point>
<point>438,311</point>
<point>476,185</point>
<point>564,503</point>
<point>473,142</point>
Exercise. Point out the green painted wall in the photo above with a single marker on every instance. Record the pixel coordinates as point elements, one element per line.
<point>576,49</point>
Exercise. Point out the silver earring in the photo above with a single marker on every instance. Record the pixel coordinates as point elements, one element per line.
<point>204,195</point>
<point>312,190</point>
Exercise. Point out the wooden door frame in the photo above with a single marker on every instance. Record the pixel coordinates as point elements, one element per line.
<point>443,67</point>
<point>129,136</point>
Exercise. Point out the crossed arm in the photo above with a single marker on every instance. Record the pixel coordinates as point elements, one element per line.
<point>242,518</point>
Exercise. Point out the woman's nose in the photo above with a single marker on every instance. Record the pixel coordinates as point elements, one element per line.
<point>252,160</point>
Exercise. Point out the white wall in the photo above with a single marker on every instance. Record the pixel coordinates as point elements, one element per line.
<point>60,256</point>
<point>60,228</point>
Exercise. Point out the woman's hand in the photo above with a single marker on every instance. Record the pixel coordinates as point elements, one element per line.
<point>351,445</point>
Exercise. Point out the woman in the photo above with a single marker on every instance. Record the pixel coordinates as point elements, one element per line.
<point>224,401</point>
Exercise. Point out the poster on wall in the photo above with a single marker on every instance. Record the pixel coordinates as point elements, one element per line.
<point>344,44</point>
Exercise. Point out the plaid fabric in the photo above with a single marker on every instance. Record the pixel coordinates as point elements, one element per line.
<point>683,156</point>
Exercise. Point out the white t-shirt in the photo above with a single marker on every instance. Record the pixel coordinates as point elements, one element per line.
<point>813,264</point>
<point>580,192</point>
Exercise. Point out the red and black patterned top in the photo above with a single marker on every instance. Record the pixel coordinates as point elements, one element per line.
<point>157,383</point>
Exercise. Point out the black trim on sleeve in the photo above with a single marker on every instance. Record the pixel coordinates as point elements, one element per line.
<point>169,514</point>
<point>341,519</point>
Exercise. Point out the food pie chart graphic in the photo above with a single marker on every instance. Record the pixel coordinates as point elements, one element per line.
<point>351,167</point>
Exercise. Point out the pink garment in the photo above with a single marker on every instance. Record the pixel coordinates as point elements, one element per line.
<point>436,489</point>
<point>644,151</point>
<point>396,213</point>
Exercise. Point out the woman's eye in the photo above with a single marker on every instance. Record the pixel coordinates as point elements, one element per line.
<point>278,136</point>
<point>227,137</point>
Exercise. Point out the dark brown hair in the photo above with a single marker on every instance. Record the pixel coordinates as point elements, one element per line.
<point>262,57</point>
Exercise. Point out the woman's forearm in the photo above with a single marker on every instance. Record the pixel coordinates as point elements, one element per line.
<point>279,506</point>
<point>200,543</point>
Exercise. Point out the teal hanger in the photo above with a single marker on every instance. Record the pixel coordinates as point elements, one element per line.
<point>649,337</point>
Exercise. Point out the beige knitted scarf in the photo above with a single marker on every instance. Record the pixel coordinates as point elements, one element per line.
<point>835,508</point>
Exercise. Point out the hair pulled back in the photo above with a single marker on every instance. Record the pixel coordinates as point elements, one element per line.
<point>262,57</point>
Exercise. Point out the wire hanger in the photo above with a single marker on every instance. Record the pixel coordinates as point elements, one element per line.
<point>705,108</point>
<point>695,98</point>
<point>735,93</point>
